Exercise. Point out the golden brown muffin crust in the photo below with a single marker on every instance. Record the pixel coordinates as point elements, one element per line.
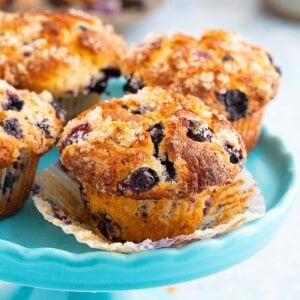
<point>62,52</point>
<point>208,67</point>
<point>150,145</point>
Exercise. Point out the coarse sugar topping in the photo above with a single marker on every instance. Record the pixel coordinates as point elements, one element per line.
<point>56,51</point>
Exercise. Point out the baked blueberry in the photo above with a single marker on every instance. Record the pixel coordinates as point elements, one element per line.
<point>110,229</point>
<point>133,84</point>
<point>12,127</point>
<point>197,131</point>
<point>157,134</point>
<point>111,72</point>
<point>227,57</point>
<point>235,102</point>
<point>235,154</point>
<point>141,180</point>
<point>170,170</point>
<point>77,133</point>
<point>143,210</point>
<point>13,102</point>
<point>44,126</point>
<point>141,110</point>
<point>201,54</point>
<point>101,84</point>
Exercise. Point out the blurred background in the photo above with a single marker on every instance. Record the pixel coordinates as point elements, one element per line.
<point>274,272</point>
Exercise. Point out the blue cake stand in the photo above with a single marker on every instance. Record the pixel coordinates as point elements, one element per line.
<point>42,262</point>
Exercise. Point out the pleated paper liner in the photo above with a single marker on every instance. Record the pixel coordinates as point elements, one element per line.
<point>15,183</point>
<point>58,198</point>
<point>250,128</point>
<point>73,106</point>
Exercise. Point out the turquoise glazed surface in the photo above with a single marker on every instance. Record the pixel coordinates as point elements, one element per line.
<point>35,253</point>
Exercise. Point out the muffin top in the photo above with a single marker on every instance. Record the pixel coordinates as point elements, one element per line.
<point>221,68</point>
<point>151,145</point>
<point>28,122</point>
<point>62,52</point>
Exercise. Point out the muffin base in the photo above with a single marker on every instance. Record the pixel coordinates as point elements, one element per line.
<point>73,106</point>
<point>250,128</point>
<point>15,184</point>
<point>122,219</point>
<point>58,198</point>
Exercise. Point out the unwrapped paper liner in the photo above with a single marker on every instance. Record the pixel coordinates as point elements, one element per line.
<point>57,197</point>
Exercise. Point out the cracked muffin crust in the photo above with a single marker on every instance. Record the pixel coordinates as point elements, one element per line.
<point>70,54</point>
<point>150,145</point>
<point>29,126</point>
<point>229,74</point>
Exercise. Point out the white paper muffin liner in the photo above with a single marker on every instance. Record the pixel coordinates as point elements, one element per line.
<point>15,183</point>
<point>57,197</point>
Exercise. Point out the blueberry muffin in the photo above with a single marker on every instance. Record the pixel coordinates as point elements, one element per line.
<point>229,74</point>
<point>70,54</point>
<point>156,151</point>
<point>29,126</point>
<point>150,145</point>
